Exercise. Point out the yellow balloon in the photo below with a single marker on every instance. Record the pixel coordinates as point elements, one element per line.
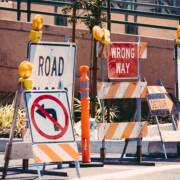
<point>35,36</point>
<point>178,32</point>
<point>101,34</point>
<point>97,33</point>
<point>37,23</point>
<point>25,69</point>
<point>106,38</point>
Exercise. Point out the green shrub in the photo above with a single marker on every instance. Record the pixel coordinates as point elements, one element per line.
<point>113,111</point>
<point>6,116</point>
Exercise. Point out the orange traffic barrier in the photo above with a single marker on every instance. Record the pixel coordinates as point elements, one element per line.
<point>118,131</point>
<point>55,152</point>
<point>111,90</point>
<point>85,124</point>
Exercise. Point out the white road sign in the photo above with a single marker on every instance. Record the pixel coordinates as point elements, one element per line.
<point>49,116</point>
<point>53,63</point>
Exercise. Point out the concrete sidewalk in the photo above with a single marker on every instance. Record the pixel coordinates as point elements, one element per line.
<point>162,170</point>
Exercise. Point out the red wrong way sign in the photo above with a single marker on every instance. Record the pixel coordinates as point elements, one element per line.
<point>123,61</point>
<point>49,116</point>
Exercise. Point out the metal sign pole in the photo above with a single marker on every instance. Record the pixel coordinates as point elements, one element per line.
<point>100,50</point>
<point>102,149</point>
<point>177,68</point>
<point>138,111</point>
<point>160,83</point>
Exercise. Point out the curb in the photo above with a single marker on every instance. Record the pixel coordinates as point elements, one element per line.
<point>148,147</point>
<point>3,142</point>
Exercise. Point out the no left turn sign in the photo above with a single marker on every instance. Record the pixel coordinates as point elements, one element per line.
<point>49,117</point>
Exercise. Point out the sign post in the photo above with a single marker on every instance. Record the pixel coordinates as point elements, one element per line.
<point>177,67</point>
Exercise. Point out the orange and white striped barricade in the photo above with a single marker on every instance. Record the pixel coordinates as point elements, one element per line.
<point>48,113</point>
<point>160,104</point>
<point>124,130</point>
<point>55,152</point>
<point>127,130</point>
<point>120,90</point>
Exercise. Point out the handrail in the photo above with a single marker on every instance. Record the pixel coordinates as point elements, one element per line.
<point>145,14</point>
<point>29,11</point>
<point>144,25</point>
<point>61,2</point>
<point>119,10</point>
<point>47,2</point>
<point>147,4</point>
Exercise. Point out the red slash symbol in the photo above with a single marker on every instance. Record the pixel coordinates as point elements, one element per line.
<point>49,111</point>
<point>51,115</point>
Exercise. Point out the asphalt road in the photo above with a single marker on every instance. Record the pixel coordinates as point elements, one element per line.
<point>161,171</point>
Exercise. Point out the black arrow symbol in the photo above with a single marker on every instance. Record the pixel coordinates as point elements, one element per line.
<point>50,111</point>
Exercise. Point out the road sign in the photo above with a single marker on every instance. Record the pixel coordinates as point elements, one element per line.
<point>158,101</point>
<point>53,63</point>
<point>123,61</point>
<point>49,116</point>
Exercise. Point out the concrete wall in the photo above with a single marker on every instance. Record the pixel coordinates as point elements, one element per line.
<point>14,38</point>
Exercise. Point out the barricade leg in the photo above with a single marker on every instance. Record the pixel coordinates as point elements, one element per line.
<point>103,151</point>
<point>125,148</point>
<point>163,145</point>
<point>139,150</point>
<point>173,122</point>
<point>77,168</point>
<point>38,172</point>
<point>25,163</point>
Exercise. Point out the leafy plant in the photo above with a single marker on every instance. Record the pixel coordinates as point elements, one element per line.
<point>6,116</point>
<point>113,111</point>
<point>91,10</point>
<point>77,109</point>
<point>110,114</point>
